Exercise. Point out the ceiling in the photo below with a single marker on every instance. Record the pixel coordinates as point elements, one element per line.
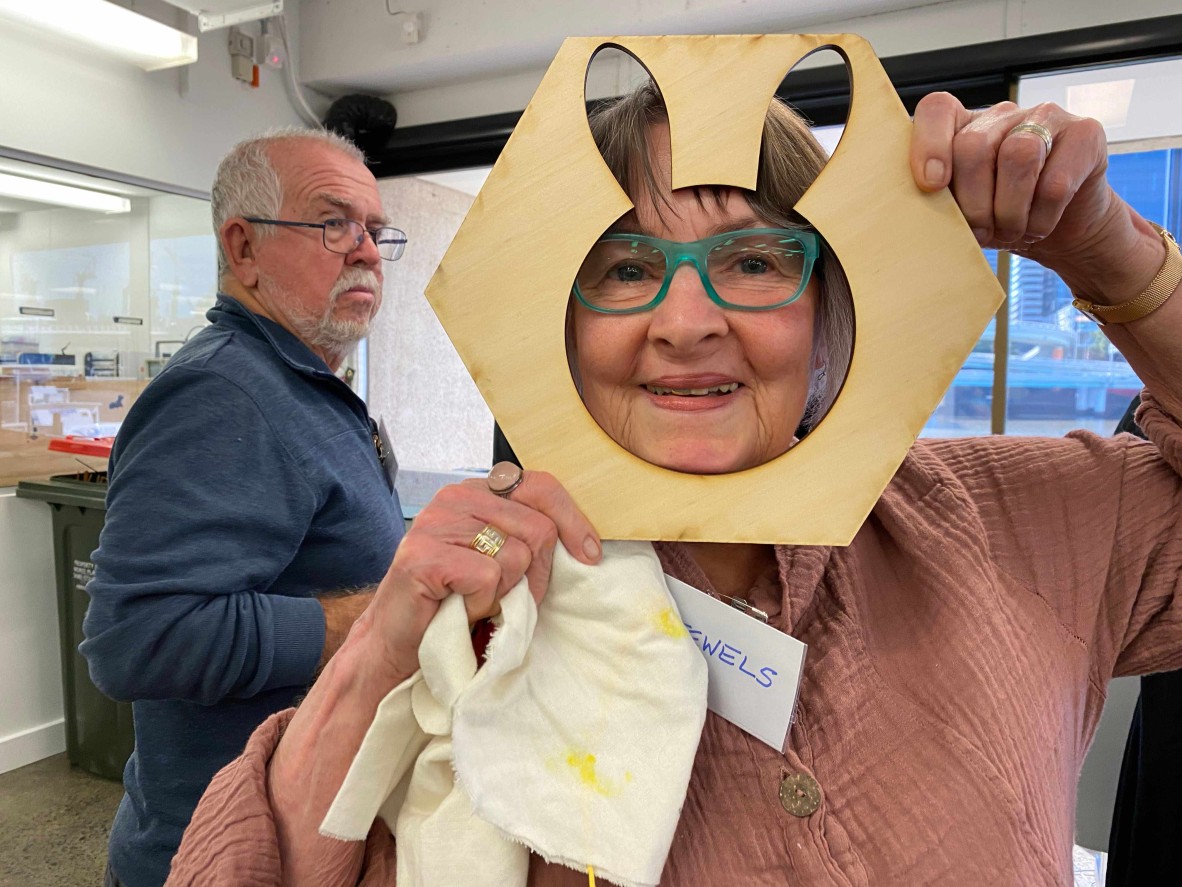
<point>349,45</point>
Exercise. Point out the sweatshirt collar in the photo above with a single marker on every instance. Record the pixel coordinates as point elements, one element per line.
<point>229,312</point>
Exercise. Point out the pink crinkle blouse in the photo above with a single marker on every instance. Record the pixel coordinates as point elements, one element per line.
<point>959,652</point>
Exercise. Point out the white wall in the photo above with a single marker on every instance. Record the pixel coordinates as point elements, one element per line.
<point>31,725</point>
<point>478,58</point>
<point>434,413</point>
<point>169,126</point>
<point>1101,770</point>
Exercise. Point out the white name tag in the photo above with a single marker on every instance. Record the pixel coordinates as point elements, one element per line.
<point>754,670</point>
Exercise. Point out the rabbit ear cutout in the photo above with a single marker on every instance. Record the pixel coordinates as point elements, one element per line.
<point>922,290</point>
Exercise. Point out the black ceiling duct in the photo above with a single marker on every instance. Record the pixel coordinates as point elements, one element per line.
<point>365,120</point>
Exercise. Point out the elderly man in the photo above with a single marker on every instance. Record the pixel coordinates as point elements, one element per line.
<point>249,510</point>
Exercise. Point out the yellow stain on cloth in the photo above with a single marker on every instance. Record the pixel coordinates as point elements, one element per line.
<point>583,764</point>
<point>667,622</point>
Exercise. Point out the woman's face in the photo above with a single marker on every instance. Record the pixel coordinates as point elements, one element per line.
<point>639,371</point>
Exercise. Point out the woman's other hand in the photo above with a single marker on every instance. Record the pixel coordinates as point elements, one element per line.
<point>436,559</point>
<point>1055,206</point>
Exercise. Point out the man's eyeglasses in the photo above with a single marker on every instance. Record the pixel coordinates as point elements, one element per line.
<point>345,235</point>
<point>756,269</point>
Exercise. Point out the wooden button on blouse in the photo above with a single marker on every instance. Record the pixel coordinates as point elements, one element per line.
<point>800,795</point>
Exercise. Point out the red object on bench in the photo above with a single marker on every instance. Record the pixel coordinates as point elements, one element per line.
<point>83,446</point>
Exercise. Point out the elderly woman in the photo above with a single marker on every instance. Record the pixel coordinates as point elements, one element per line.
<point>960,647</point>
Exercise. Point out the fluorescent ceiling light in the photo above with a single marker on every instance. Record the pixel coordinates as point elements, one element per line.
<point>54,194</point>
<point>113,29</point>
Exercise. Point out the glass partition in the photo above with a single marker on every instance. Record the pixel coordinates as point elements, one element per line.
<point>99,283</point>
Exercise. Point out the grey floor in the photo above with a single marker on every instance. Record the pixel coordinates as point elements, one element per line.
<point>53,825</point>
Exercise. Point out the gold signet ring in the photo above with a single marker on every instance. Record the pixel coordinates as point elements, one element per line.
<point>488,541</point>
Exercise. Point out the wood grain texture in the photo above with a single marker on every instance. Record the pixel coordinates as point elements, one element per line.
<point>921,287</point>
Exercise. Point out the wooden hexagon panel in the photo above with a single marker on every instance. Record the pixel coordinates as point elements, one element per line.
<point>922,290</point>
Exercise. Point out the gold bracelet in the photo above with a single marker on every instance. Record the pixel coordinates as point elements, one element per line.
<point>1149,299</point>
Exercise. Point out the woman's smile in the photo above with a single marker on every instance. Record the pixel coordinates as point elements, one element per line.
<point>691,394</point>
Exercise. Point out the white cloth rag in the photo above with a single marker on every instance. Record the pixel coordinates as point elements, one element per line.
<point>575,739</point>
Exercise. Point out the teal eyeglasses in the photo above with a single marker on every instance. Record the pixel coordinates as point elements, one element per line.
<point>756,269</point>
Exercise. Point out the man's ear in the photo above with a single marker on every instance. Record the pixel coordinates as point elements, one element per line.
<point>239,245</point>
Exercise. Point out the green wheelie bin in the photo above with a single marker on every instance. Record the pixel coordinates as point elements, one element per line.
<point>99,732</point>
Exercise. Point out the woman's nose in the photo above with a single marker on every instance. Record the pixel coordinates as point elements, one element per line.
<point>686,316</point>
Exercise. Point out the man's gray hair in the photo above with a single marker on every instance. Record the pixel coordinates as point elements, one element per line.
<point>246,183</point>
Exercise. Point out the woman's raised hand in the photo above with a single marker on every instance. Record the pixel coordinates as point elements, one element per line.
<point>436,559</point>
<point>1039,190</point>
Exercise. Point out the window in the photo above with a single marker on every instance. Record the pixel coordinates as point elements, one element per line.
<point>1062,372</point>
<point>100,282</point>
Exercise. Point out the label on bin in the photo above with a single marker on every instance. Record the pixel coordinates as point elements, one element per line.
<point>83,573</point>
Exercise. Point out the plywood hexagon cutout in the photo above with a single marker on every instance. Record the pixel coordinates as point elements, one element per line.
<point>922,290</point>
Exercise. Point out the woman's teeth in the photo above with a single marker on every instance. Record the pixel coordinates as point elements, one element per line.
<point>728,388</point>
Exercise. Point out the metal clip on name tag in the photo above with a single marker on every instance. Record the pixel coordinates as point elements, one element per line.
<point>741,605</point>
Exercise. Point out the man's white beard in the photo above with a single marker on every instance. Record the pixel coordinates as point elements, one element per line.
<point>327,333</point>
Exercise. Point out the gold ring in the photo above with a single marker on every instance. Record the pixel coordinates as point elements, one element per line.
<point>1036,129</point>
<point>504,478</point>
<point>488,541</point>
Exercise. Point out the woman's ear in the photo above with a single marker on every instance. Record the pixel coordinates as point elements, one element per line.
<point>238,243</point>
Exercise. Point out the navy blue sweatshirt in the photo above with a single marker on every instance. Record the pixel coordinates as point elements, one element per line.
<point>243,482</point>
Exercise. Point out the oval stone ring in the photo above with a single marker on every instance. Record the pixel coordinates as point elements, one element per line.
<point>504,478</point>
